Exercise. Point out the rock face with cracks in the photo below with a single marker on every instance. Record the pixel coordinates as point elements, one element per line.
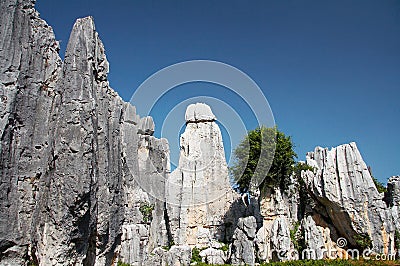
<point>70,197</point>
<point>84,181</point>
<point>344,188</point>
<point>198,192</point>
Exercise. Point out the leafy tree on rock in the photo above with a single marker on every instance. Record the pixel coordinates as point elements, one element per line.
<point>264,154</point>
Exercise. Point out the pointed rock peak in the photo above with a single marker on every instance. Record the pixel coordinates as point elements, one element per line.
<point>86,22</point>
<point>85,55</point>
<point>83,31</point>
<point>199,112</point>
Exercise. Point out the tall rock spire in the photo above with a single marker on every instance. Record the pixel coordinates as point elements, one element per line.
<point>198,191</point>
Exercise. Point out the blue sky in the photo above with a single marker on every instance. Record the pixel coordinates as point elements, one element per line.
<point>329,69</point>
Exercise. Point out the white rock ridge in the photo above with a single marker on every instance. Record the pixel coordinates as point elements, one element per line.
<point>198,192</point>
<point>343,184</point>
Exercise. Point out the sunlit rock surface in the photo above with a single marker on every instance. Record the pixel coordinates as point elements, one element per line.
<point>344,187</point>
<point>198,191</point>
<point>85,182</point>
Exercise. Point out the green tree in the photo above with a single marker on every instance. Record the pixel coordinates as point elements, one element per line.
<point>264,154</point>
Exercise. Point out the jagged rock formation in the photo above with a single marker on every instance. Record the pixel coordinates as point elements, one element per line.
<point>273,238</point>
<point>85,182</point>
<point>243,246</point>
<point>70,197</point>
<point>393,201</point>
<point>198,191</point>
<point>344,188</point>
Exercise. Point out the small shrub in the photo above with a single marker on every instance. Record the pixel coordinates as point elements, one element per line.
<point>300,166</point>
<point>147,211</point>
<point>297,237</point>
<point>224,248</point>
<point>379,186</point>
<point>196,255</point>
<point>363,240</point>
<point>32,263</point>
<point>293,234</point>
<point>120,263</point>
<point>170,244</point>
<point>397,239</point>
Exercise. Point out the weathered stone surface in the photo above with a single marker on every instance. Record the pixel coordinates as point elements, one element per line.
<point>29,68</point>
<point>84,182</point>
<point>279,211</point>
<point>213,256</point>
<point>199,112</point>
<point>243,247</point>
<point>280,240</point>
<point>343,185</point>
<point>394,205</point>
<point>313,239</point>
<point>73,190</point>
<point>146,126</point>
<point>198,191</point>
<point>175,256</point>
<point>393,187</point>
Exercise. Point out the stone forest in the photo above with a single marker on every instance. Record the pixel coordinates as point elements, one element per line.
<point>80,170</point>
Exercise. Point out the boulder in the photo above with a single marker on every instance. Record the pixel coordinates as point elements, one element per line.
<point>146,126</point>
<point>199,112</point>
<point>213,256</point>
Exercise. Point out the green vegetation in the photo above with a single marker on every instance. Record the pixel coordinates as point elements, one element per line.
<point>379,186</point>
<point>224,248</point>
<point>120,263</point>
<point>32,263</point>
<point>257,150</point>
<point>147,211</point>
<point>196,256</point>
<point>170,244</point>
<point>297,237</point>
<point>363,240</point>
<point>305,198</point>
<point>299,166</point>
<point>397,239</point>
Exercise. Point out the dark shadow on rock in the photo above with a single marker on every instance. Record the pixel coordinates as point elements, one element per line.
<point>237,210</point>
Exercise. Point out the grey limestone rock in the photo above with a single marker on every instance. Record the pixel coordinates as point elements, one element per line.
<point>198,192</point>
<point>393,187</point>
<point>29,68</point>
<point>85,182</point>
<point>279,212</point>
<point>313,239</point>
<point>213,256</point>
<point>199,112</point>
<point>70,160</point>
<point>243,246</point>
<point>280,240</point>
<point>146,126</point>
<point>176,256</point>
<point>343,185</point>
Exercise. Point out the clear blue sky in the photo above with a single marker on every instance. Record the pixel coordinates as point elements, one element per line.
<point>329,69</point>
